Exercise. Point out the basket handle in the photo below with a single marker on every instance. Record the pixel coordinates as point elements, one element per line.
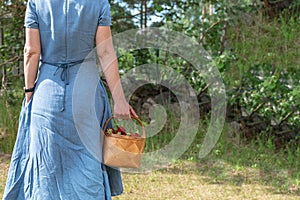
<point>132,116</point>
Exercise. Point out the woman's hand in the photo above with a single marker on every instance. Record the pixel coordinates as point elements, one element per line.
<point>122,110</point>
<point>28,96</point>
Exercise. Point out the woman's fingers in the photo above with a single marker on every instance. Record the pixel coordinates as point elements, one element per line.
<point>124,114</point>
<point>28,96</point>
<point>132,112</point>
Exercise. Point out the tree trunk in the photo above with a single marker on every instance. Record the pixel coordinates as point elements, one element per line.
<point>3,70</point>
<point>141,15</point>
<point>211,9</point>
<point>204,11</point>
<point>145,13</point>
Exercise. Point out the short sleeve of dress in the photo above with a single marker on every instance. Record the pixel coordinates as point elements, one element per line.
<point>31,18</point>
<point>104,17</point>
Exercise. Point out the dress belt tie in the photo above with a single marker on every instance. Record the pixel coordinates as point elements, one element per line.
<point>64,76</point>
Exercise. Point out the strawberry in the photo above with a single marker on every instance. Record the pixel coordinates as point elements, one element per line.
<point>113,130</point>
<point>122,130</point>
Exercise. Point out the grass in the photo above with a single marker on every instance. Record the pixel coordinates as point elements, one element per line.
<point>210,179</point>
<point>4,164</point>
<point>10,106</point>
<point>214,179</point>
<point>266,41</point>
<point>232,171</point>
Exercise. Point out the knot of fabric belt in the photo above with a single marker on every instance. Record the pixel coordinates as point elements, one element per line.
<point>64,76</point>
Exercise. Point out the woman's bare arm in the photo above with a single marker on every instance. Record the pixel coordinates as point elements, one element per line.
<point>32,52</point>
<point>109,64</point>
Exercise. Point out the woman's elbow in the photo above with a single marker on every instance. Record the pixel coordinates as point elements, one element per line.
<point>30,51</point>
<point>107,54</point>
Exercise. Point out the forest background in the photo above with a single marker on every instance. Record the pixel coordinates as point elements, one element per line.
<point>254,44</point>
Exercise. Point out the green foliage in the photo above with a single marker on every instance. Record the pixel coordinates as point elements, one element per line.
<point>10,105</point>
<point>165,135</point>
<point>266,66</point>
<point>11,27</point>
<point>121,17</point>
<point>279,91</point>
<point>257,57</point>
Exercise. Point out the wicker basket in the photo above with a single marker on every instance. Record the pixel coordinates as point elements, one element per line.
<point>122,150</point>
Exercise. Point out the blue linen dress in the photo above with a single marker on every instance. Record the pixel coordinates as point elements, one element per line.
<point>58,153</point>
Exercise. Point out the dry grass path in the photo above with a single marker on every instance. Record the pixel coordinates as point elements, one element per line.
<point>186,180</point>
<point>4,164</point>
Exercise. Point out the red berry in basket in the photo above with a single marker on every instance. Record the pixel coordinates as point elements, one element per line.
<point>122,130</point>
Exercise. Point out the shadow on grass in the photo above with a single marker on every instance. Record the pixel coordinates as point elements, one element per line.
<point>227,171</point>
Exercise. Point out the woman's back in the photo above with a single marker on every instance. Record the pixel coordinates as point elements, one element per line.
<point>51,159</point>
<point>67,27</point>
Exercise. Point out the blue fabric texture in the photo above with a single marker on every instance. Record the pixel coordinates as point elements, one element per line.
<point>54,157</point>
